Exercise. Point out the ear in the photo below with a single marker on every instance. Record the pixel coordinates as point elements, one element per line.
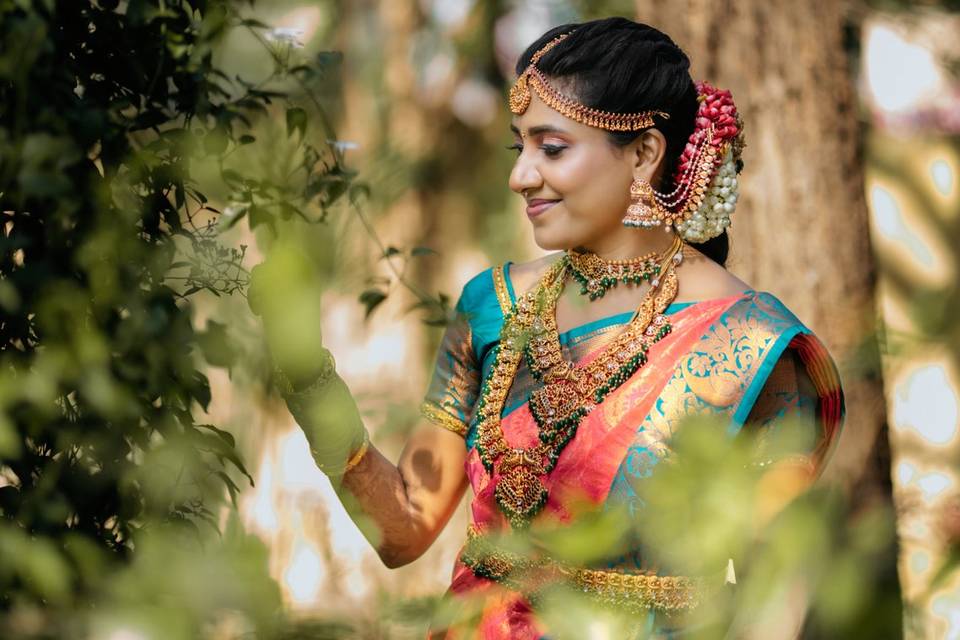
<point>650,147</point>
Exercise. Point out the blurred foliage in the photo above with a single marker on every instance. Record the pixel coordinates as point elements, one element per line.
<point>119,136</point>
<point>929,327</point>
<point>117,131</point>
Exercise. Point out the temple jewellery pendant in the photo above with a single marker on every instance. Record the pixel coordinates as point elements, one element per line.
<point>520,491</point>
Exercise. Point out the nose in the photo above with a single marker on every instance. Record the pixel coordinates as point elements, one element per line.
<point>524,176</point>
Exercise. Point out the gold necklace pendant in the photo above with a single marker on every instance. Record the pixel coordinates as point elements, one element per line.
<point>521,492</point>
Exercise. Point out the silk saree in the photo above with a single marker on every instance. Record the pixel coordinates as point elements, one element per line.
<point>744,359</point>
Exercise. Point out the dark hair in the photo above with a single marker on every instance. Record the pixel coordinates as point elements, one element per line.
<point>619,65</point>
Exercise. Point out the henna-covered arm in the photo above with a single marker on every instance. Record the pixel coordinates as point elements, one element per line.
<point>402,508</point>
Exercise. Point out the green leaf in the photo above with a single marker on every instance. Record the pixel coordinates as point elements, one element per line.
<point>260,216</point>
<point>947,567</point>
<point>328,59</point>
<point>201,390</point>
<point>371,299</point>
<point>179,196</point>
<point>229,175</point>
<point>296,121</point>
<point>226,436</point>
<point>219,447</point>
<point>232,487</point>
<point>216,346</point>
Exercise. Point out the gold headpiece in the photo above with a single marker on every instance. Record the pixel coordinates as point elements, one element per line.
<point>532,77</point>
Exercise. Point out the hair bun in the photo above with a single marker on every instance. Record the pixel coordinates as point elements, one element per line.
<point>717,124</point>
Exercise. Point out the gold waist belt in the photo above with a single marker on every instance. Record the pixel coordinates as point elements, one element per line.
<point>636,592</point>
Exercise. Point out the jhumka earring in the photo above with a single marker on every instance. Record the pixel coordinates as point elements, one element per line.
<point>644,211</point>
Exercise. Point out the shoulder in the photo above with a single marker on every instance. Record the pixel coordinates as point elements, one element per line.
<point>703,279</point>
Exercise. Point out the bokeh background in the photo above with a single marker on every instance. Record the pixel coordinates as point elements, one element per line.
<point>373,133</point>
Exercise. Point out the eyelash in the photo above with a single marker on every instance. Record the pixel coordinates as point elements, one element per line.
<point>550,150</point>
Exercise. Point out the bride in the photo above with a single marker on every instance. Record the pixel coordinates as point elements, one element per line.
<point>562,381</point>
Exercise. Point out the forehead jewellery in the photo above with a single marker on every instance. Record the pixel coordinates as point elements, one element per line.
<point>705,182</point>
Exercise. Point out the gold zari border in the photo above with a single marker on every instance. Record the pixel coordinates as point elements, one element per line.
<point>443,419</point>
<point>500,287</point>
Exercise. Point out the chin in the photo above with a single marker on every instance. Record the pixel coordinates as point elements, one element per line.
<point>552,241</point>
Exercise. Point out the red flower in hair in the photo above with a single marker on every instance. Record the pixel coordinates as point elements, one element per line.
<point>717,112</point>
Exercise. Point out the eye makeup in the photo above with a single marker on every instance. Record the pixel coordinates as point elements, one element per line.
<point>550,150</point>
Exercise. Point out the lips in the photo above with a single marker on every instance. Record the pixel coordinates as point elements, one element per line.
<point>537,206</point>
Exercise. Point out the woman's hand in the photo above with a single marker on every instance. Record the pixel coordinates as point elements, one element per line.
<point>285,292</point>
<point>399,508</point>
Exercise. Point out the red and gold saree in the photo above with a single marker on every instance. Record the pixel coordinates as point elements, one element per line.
<point>744,359</point>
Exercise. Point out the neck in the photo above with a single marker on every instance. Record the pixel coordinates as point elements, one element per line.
<point>630,243</point>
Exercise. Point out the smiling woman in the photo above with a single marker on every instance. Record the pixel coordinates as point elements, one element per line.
<point>557,403</point>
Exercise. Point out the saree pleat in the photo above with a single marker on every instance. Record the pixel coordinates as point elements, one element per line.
<point>721,356</point>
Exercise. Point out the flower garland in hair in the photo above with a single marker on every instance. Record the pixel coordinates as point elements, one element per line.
<point>719,125</point>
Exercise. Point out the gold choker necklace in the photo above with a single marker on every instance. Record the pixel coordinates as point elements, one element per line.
<point>596,275</point>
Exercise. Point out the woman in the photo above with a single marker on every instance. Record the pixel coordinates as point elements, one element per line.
<point>566,377</point>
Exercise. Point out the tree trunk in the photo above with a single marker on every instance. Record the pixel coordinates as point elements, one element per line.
<point>803,213</point>
<point>801,231</point>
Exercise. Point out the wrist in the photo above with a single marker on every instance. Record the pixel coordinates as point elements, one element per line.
<point>327,413</point>
<point>293,382</point>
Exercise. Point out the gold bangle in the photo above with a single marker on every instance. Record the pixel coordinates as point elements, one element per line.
<point>358,456</point>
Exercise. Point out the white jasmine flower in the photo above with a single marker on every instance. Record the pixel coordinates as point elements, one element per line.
<point>720,200</point>
<point>286,35</point>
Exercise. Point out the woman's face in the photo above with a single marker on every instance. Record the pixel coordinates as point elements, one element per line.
<point>575,182</point>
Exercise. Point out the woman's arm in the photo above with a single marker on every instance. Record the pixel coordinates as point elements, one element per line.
<point>402,508</point>
<point>399,508</point>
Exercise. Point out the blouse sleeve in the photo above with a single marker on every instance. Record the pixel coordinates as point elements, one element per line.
<point>784,417</point>
<point>455,384</point>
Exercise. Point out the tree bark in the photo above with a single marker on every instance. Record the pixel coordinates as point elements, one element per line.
<point>801,230</point>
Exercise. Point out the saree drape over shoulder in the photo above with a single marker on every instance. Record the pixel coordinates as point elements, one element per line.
<point>745,359</point>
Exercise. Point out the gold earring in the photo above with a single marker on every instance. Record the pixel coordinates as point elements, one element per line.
<point>644,210</point>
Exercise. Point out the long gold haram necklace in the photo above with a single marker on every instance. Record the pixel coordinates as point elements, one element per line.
<point>569,392</point>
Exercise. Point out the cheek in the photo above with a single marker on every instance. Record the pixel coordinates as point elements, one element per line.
<point>590,188</point>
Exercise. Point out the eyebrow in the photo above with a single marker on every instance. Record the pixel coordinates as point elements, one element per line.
<point>541,128</point>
